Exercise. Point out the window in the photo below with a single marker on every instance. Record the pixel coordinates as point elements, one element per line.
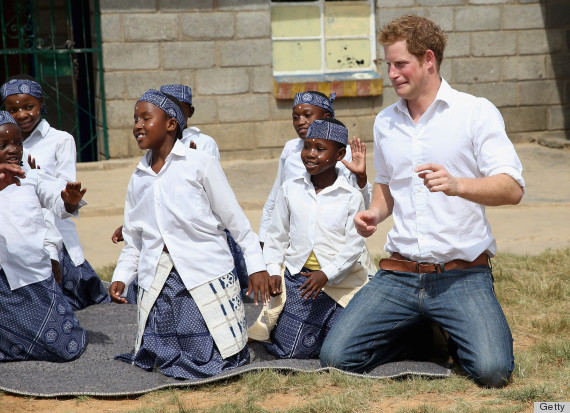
<point>324,45</point>
<point>322,36</point>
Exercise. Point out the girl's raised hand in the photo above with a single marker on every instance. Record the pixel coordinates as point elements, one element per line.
<point>358,164</point>
<point>72,195</point>
<point>32,162</point>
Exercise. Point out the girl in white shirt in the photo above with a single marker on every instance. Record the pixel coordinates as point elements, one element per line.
<point>54,152</point>
<point>36,321</point>
<point>312,235</point>
<point>191,316</point>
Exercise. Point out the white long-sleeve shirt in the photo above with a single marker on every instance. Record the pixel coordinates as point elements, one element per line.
<point>304,221</point>
<point>55,153</point>
<point>24,248</point>
<point>291,166</point>
<point>203,142</point>
<point>186,206</point>
<point>467,136</point>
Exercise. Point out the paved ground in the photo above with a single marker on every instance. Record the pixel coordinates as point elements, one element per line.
<point>541,221</point>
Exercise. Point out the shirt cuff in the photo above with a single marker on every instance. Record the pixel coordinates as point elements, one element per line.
<point>332,273</point>
<point>274,269</point>
<point>254,263</point>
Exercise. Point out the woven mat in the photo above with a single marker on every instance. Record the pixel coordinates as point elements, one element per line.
<point>112,329</point>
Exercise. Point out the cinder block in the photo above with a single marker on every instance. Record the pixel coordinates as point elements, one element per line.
<point>458,45</point>
<point>477,18</point>
<point>208,25</point>
<point>253,24</point>
<point>243,5</point>
<point>120,114</point>
<point>226,81</point>
<point>346,108</point>
<point>246,52</point>
<point>524,118</point>
<point>558,13</point>
<point>489,2</point>
<point>437,3</point>
<point>273,134</point>
<point>140,82</point>
<point>528,16</point>
<point>185,5</point>
<point>233,136</point>
<point>130,56</point>
<point>523,68</point>
<point>114,85</point>
<point>387,98</point>
<point>127,6</point>
<point>383,4</point>
<point>243,108</point>
<point>558,65</point>
<point>540,41</point>
<point>151,27</point>
<point>282,110</point>
<point>363,128</point>
<point>494,44</point>
<point>188,55</point>
<point>542,92</point>
<point>205,111</point>
<point>500,93</point>
<point>559,117</point>
<point>262,79</point>
<point>118,140</point>
<point>476,70</point>
<point>111,28</point>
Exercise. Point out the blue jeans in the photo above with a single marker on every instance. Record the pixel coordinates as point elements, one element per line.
<point>463,302</point>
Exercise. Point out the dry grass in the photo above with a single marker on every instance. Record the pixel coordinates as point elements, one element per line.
<point>533,291</point>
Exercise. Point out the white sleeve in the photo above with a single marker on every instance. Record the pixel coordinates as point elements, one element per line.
<point>66,157</point>
<point>127,266</point>
<point>224,204</point>
<point>53,242</point>
<point>49,190</point>
<point>341,264</point>
<point>277,238</point>
<point>270,203</point>
<point>210,146</point>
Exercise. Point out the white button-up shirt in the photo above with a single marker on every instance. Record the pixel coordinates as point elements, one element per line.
<point>203,142</point>
<point>24,248</point>
<point>186,206</point>
<point>467,136</point>
<point>291,166</point>
<point>304,221</point>
<point>55,153</point>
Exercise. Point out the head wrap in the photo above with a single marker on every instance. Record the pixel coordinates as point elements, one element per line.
<point>315,99</point>
<point>172,109</point>
<point>180,92</point>
<point>24,86</point>
<point>324,129</point>
<point>5,118</point>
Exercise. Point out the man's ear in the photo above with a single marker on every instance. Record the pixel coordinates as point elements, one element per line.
<point>429,59</point>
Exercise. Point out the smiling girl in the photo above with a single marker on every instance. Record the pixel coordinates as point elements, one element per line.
<point>54,152</point>
<point>191,316</point>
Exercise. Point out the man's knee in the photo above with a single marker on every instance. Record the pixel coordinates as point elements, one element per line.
<point>491,373</point>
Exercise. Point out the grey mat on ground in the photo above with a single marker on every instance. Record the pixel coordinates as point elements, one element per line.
<point>112,330</point>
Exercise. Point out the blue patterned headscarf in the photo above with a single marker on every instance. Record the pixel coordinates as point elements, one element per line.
<point>325,129</point>
<point>315,99</point>
<point>180,92</point>
<point>5,118</point>
<point>172,109</point>
<point>24,86</point>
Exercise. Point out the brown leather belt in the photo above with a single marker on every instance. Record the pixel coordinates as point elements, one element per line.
<point>398,262</point>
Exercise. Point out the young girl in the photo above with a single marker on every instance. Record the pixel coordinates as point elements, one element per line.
<point>191,316</point>
<point>312,235</point>
<point>36,321</point>
<point>54,152</point>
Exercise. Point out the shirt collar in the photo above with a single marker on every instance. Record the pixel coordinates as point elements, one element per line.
<point>42,129</point>
<point>444,94</point>
<point>177,150</point>
<point>341,181</point>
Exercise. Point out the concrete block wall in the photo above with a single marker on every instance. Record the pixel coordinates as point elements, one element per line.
<point>510,51</point>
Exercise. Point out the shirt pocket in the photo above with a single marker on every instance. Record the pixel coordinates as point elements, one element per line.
<point>333,215</point>
<point>192,202</point>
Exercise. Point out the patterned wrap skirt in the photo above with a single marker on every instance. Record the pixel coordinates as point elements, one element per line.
<point>37,323</point>
<point>303,324</point>
<point>176,340</point>
<point>81,285</point>
<point>240,269</point>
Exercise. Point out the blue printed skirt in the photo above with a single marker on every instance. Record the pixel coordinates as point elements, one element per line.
<point>176,341</point>
<point>37,323</point>
<point>81,285</point>
<point>303,324</point>
<point>240,269</point>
